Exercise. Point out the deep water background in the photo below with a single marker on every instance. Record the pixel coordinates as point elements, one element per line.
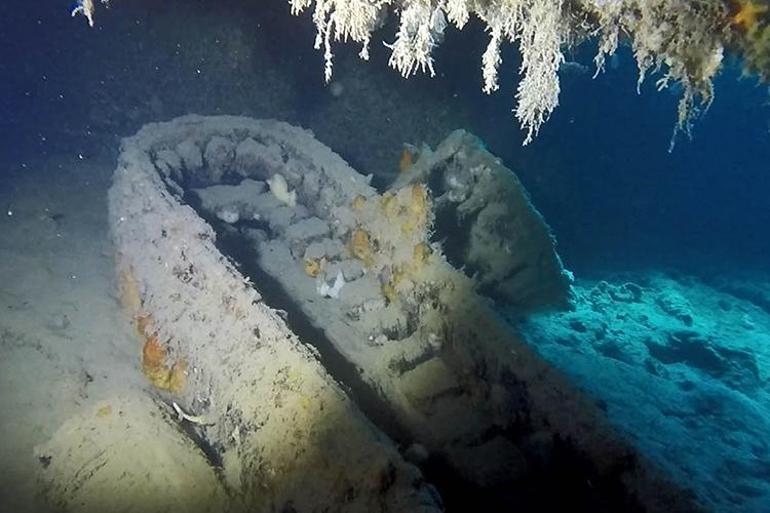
<point>625,201</point>
<point>600,170</point>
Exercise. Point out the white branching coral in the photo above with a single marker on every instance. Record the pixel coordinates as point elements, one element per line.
<point>502,25</point>
<point>536,25</point>
<point>457,12</point>
<point>422,28</point>
<point>540,41</point>
<point>681,39</point>
<point>87,9</point>
<point>343,20</point>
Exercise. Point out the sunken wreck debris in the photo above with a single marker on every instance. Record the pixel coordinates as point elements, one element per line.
<point>335,280</point>
<point>488,226</point>
<point>278,430</point>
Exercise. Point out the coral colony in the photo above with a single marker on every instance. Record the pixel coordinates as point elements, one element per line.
<point>684,41</point>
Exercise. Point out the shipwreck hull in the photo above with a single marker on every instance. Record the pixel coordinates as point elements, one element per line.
<point>256,402</point>
<point>371,300</point>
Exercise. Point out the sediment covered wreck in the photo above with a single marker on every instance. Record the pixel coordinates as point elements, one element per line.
<point>320,339</point>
